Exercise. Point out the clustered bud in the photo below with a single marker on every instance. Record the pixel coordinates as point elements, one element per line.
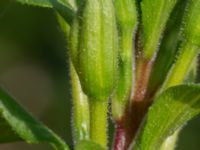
<point>94,48</point>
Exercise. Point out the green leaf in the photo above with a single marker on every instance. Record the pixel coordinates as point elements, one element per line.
<point>64,7</point>
<point>6,133</point>
<point>154,18</point>
<point>46,3</point>
<point>171,110</point>
<point>88,145</point>
<point>24,125</point>
<point>168,49</point>
<point>41,3</point>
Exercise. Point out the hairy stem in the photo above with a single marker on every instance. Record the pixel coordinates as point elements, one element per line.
<point>98,122</point>
<point>120,138</point>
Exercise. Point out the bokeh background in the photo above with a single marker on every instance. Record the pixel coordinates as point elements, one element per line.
<point>33,68</point>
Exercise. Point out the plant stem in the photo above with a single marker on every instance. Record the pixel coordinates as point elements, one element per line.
<point>120,138</point>
<point>98,122</point>
<point>143,71</point>
<point>80,109</point>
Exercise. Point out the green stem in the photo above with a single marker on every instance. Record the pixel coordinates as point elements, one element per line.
<point>81,116</point>
<point>98,122</point>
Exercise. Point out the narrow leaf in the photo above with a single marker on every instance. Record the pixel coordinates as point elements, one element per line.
<point>171,110</point>
<point>6,133</point>
<point>64,7</point>
<point>168,49</point>
<point>41,3</point>
<point>24,125</point>
<point>45,3</point>
<point>154,18</point>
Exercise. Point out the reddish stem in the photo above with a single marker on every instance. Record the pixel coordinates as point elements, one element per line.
<point>128,126</point>
<point>144,68</point>
<point>120,139</point>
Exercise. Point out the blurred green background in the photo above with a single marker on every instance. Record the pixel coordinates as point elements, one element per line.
<point>33,67</point>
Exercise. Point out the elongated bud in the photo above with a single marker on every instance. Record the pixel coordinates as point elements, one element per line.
<point>94,48</point>
<point>192,25</point>
<point>126,13</point>
<point>168,49</point>
<point>94,52</point>
<point>154,18</point>
<point>189,47</point>
<point>127,20</point>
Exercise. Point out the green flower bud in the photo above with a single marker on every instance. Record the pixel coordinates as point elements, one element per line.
<point>191,23</point>
<point>94,47</point>
<point>126,14</point>
<point>154,18</point>
<point>189,47</point>
<point>127,21</point>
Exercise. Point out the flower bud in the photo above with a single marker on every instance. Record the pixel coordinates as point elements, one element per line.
<point>94,47</point>
<point>127,21</point>
<point>191,23</point>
